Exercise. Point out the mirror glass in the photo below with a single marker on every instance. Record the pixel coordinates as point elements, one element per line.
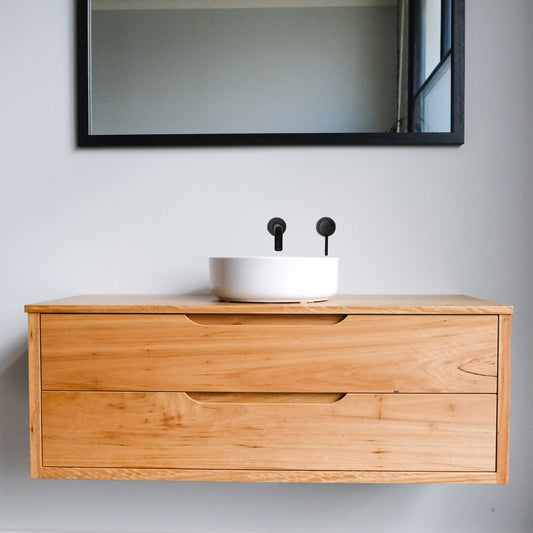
<point>340,71</point>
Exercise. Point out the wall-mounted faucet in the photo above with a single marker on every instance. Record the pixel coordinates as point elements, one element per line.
<point>326,227</point>
<point>276,226</point>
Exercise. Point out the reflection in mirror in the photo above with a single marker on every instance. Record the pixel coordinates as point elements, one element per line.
<point>431,60</point>
<point>274,68</point>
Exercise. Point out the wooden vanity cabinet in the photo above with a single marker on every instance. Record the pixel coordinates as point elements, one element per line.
<point>391,389</point>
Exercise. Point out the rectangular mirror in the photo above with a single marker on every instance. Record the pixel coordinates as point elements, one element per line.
<point>270,72</point>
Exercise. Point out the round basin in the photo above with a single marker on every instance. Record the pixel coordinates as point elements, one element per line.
<point>274,279</point>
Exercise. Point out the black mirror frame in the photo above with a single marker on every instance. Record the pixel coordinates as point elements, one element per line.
<point>455,137</point>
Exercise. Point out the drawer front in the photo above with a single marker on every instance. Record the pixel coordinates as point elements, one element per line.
<point>388,432</point>
<point>298,353</point>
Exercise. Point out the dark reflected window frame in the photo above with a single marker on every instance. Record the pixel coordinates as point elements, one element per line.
<point>447,51</point>
<point>455,137</point>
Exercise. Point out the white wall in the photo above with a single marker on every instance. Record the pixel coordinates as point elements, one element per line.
<point>410,220</point>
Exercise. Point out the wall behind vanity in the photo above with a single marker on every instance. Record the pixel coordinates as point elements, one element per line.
<point>410,220</point>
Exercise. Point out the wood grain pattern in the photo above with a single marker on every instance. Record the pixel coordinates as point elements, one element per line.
<point>504,388</point>
<point>434,432</point>
<point>34,375</point>
<point>204,303</point>
<point>269,476</point>
<point>359,354</point>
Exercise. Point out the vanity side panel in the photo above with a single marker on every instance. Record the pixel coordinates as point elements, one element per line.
<point>34,373</point>
<point>504,388</point>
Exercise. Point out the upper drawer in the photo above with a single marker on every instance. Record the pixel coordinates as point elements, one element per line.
<point>251,353</point>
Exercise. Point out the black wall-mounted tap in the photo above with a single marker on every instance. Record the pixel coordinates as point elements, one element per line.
<point>326,227</point>
<point>276,226</point>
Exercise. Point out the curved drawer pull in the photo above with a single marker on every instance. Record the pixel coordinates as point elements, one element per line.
<point>264,397</point>
<point>264,320</point>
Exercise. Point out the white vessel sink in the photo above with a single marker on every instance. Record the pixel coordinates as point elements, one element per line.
<point>274,279</point>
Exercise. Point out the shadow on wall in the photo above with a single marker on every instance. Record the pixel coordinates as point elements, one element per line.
<point>14,415</point>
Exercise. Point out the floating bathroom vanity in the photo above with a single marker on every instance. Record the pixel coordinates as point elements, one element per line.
<point>371,389</point>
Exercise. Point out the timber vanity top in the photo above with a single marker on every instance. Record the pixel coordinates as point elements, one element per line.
<point>405,389</point>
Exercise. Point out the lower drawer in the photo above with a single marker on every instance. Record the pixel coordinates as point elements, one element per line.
<point>393,432</point>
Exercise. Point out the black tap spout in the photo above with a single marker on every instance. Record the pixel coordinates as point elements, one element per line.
<point>278,237</point>
<point>277,227</point>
